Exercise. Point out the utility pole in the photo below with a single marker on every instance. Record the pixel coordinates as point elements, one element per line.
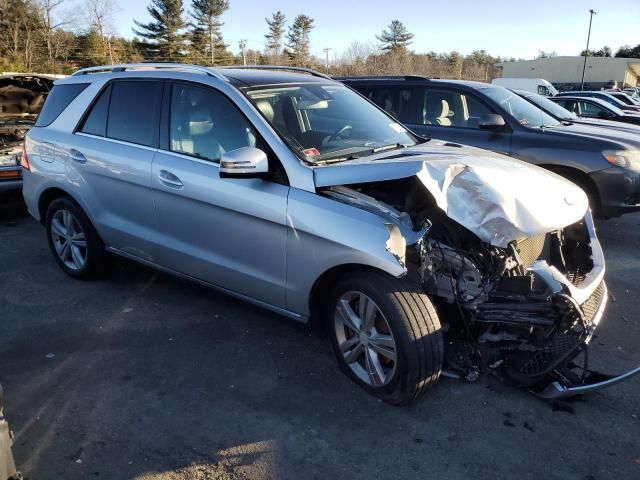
<point>586,52</point>
<point>326,52</point>
<point>243,45</point>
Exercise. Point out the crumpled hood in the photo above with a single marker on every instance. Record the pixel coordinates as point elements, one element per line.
<point>498,198</point>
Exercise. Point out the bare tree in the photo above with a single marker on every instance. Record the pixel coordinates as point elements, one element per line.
<point>48,26</point>
<point>100,16</point>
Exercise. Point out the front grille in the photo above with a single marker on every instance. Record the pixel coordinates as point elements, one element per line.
<point>558,348</point>
<point>531,249</point>
<point>592,304</point>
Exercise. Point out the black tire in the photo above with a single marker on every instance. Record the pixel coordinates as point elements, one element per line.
<point>95,251</point>
<point>415,328</point>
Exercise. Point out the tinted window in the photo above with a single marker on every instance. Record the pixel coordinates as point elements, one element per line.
<point>133,112</point>
<point>96,122</point>
<point>59,98</point>
<point>588,109</point>
<point>402,102</point>
<point>205,124</point>
<point>524,112</point>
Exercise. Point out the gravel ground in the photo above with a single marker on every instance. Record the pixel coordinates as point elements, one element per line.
<point>142,376</point>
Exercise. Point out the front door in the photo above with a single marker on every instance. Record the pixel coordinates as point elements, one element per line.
<point>227,232</point>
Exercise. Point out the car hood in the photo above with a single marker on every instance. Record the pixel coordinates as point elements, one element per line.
<point>617,126</point>
<point>498,198</point>
<point>590,133</point>
<point>22,97</point>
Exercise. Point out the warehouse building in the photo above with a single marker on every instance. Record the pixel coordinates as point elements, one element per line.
<point>566,72</point>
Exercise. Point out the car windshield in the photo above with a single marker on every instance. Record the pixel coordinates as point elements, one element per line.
<point>551,107</point>
<point>524,112</point>
<point>328,122</point>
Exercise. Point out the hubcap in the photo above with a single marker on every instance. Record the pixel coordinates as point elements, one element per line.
<point>365,339</point>
<point>69,239</point>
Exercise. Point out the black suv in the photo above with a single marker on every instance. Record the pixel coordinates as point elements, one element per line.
<point>605,163</point>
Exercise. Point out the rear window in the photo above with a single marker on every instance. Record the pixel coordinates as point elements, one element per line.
<point>133,111</point>
<point>96,122</point>
<point>59,98</point>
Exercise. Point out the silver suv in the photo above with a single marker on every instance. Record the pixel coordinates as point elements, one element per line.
<point>293,192</point>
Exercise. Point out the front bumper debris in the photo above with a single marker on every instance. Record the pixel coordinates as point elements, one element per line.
<point>593,381</point>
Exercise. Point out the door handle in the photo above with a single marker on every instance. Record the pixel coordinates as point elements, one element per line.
<point>77,156</point>
<point>169,179</point>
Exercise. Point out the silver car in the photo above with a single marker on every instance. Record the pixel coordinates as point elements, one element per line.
<point>293,192</point>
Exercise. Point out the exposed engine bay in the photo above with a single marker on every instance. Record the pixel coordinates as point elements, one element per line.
<point>21,99</point>
<point>525,312</point>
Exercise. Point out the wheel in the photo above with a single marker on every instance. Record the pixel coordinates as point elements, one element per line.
<point>74,242</point>
<point>386,335</point>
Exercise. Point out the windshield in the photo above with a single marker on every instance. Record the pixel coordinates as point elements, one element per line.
<point>551,107</point>
<point>524,112</point>
<point>328,122</point>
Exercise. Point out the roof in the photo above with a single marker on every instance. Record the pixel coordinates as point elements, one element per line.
<point>414,79</point>
<point>249,77</point>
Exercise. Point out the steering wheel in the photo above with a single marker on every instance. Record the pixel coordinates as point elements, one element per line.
<point>338,133</point>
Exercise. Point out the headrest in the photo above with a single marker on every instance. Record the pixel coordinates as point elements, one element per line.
<point>445,109</point>
<point>266,109</point>
<point>200,124</point>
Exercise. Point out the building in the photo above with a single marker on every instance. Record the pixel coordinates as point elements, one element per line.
<point>566,72</point>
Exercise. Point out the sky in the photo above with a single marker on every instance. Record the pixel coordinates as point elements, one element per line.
<point>514,28</point>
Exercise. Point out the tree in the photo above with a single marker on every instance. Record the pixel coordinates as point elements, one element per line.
<point>603,52</point>
<point>396,38</point>
<point>164,34</point>
<point>298,39</point>
<point>206,37</point>
<point>276,32</point>
<point>100,17</point>
<point>627,51</point>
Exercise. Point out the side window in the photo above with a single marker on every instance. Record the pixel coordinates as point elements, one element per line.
<point>133,111</point>
<point>401,102</point>
<point>58,99</point>
<point>449,108</point>
<point>95,122</point>
<point>204,123</point>
<point>589,109</point>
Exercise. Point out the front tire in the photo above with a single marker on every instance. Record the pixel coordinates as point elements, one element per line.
<point>386,335</point>
<point>74,242</point>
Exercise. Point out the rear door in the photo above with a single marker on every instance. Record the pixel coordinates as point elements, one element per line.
<point>111,161</point>
<point>228,232</point>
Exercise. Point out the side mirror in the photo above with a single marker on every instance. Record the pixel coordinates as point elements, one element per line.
<point>491,121</point>
<point>245,162</point>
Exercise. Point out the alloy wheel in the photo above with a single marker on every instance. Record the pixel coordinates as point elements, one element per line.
<point>365,339</point>
<point>69,239</point>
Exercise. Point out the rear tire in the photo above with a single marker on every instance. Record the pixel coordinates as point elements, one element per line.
<point>73,241</point>
<point>386,335</point>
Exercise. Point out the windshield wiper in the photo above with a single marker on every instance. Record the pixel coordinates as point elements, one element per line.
<point>372,151</point>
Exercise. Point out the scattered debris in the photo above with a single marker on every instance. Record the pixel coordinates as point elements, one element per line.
<point>127,310</point>
<point>50,355</point>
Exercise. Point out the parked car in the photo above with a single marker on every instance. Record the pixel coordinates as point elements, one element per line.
<point>605,96</point>
<point>292,192</point>
<point>594,108</point>
<point>494,118</point>
<point>596,119</point>
<point>534,85</point>
<point>21,98</point>
<point>7,464</point>
<point>624,97</point>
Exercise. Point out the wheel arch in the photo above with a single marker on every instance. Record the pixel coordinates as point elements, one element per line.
<point>324,283</point>
<point>49,195</point>
<point>580,178</point>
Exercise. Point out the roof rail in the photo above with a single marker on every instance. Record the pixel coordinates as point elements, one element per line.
<point>279,67</point>
<point>384,77</point>
<point>150,66</point>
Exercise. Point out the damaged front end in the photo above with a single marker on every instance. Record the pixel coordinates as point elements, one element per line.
<point>524,310</point>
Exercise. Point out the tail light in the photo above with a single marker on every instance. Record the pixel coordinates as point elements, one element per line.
<point>24,159</point>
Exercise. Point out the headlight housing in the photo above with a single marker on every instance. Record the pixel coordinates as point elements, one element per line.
<point>624,158</point>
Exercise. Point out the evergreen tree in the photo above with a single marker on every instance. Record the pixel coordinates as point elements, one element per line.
<point>396,38</point>
<point>164,35</point>
<point>298,39</point>
<point>276,32</point>
<point>206,38</point>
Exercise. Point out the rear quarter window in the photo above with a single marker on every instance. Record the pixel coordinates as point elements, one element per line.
<point>58,99</point>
